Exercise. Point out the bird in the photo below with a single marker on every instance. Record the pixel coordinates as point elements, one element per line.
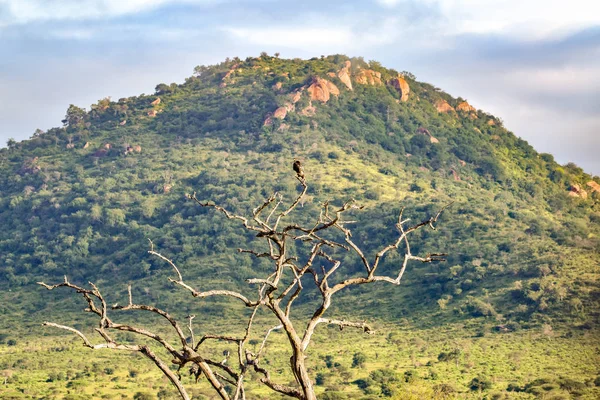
<point>298,169</point>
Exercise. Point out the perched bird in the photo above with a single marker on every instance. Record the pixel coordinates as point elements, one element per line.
<point>298,169</point>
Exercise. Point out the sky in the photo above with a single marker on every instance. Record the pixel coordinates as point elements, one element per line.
<point>533,63</point>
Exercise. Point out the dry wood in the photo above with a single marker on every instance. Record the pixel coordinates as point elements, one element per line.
<point>275,292</point>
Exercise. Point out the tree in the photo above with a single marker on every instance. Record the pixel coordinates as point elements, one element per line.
<point>319,270</point>
<point>11,143</point>
<point>74,117</point>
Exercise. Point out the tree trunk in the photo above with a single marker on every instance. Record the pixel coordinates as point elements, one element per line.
<point>301,374</point>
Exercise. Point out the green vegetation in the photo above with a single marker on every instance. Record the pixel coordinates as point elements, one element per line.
<point>511,314</point>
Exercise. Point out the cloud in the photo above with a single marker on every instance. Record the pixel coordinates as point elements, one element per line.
<point>313,37</point>
<point>26,11</point>
<point>527,19</point>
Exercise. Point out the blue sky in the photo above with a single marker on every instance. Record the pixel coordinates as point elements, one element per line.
<point>535,64</point>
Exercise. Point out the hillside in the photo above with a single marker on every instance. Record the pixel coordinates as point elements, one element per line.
<point>523,234</point>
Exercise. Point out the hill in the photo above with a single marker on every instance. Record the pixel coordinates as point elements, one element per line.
<point>523,235</point>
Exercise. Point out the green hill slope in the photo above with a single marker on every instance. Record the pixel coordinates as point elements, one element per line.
<point>523,236</point>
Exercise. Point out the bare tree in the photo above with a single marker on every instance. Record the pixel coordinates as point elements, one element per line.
<point>276,292</point>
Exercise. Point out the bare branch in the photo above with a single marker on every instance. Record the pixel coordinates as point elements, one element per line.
<point>276,290</point>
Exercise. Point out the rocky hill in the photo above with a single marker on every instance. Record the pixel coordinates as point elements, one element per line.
<point>522,235</point>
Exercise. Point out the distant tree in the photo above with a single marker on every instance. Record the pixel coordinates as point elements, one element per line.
<point>321,242</point>
<point>37,133</point>
<point>74,117</point>
<point>11,143</point>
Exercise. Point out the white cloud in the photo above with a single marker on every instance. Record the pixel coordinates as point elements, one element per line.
<point>308,37</point>
<point>534,19</point>
<point>342,35</point>
<point>24,11</point>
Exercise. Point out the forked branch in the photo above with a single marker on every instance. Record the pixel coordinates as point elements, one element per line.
<point>275,291</point>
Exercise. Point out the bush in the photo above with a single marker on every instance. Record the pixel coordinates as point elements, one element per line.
<point>444,390</point>
<point>480,384</point>
<point>333,395</point>
<point>144,396</point>
<point>358,360</point>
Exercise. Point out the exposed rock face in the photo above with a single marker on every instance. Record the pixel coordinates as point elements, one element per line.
<point>577,191</point>
<point>491,122</point>
<point>123,122</point>
<point>465,107</point>
<point>368,77</point>
<point>107,146</point>
<point>455,175</point>
<point>156,102</point>
<point>442,106</point>
<point>309,111</point>
<point>277,86</point>
<point>137,148</point>
<point>594,186</point>
<point>344,75</point>
<point>86,145</point>
<point>280,113</point>
<point>70,145</point>
<point>462,162</point>
<point>231,71</point>
<point>401,86</point>
<point>424,131</point>
<point>152,113</point>
<point>321,89</point>
<point>332,88</point>
<point>295,97</point>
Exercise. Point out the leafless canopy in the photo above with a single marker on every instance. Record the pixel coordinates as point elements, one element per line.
<point>275,292</point>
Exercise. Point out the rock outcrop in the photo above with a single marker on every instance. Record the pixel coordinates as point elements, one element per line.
<point>309,110</point>
<point>368,77</point>
<point>401,86</point>
<point>442,106</point>
<point>577,191</point>
<point>280,113</point>
<point>344,75</point>
<point>226,78</point>
<point>152,113</point>
<point>156,102</point>
<point>321,90</point>
<point>296,96</point>
<point>455,175</point>
<point>465,107</point>
<point>277,86</point>
<point>424,131</point>
<point>594,186</point>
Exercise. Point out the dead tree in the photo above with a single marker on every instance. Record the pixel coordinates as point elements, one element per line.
<point>275,292</point>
